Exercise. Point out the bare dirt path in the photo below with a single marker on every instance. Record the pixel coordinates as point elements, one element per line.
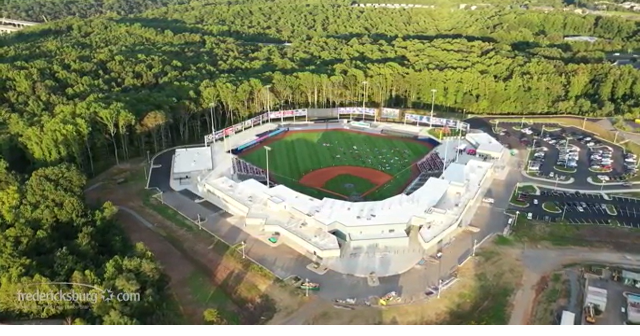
<point>540,262</point>
<point>181,252</point>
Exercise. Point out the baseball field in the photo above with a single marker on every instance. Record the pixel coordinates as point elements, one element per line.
<point>340,164</point>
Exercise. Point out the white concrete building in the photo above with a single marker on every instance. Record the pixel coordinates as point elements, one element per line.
<point>486,145</point>
<point>188,162</point>
<point>435,210</point>
<point>333,231</point>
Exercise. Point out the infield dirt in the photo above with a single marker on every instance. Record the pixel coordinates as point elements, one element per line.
<point>319,177</point>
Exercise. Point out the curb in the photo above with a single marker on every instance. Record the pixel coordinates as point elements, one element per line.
<point>565,171</point>
<point>550,211</point>
<point>569,181</point>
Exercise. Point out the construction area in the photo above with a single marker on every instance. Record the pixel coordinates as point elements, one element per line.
<point>611,297</point>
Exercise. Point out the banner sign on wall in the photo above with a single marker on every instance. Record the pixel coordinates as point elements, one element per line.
<point>229,131</point>
<point>263,118</point>
<point>390,113</point>
<point>356,110</point>
<point>288,114</point>
<point>237,128</point>
<point>438,122</point>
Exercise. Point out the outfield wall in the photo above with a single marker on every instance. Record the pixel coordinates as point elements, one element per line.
<point>261,137</point>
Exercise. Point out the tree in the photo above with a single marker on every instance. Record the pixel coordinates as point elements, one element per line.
<point>212,316</point>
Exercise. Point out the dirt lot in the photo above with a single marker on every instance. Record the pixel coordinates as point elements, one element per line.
<point>552,296</point>
<point>201,277</point>
<point>615,238</point>
<point>481,296</point>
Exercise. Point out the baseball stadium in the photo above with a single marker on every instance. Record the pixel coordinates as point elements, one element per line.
<point>334,188</point>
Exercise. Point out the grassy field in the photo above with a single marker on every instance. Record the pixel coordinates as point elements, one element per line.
<point>339,184</point>
<point>298,154</point>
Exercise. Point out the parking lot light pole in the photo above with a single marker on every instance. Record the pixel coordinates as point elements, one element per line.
<point>439,287</point>
<point>516,220</point>
<point>564,210</point>
<point>306,291</point>
<point>615,138</point>
<point>601,185</point>
<point>584,123</point>
<point>556,186</point>
<point>243,255</point>
<point>267,149</point>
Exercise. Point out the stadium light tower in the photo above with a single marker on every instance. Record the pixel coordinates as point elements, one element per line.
<point>433,101</point>
<point>267,149</point>
<point>268,105</point>
<point>364,98</point>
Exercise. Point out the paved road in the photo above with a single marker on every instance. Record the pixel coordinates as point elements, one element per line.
<point>540,262</point>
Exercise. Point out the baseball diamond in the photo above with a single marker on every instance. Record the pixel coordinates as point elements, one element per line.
<point>340,163</point>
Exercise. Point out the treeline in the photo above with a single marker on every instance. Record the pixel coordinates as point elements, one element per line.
<point>49,235</point>
<point>49,10</point>
<point>74,91</point>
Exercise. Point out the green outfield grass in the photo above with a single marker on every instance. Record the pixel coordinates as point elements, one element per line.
<point>298,154</point>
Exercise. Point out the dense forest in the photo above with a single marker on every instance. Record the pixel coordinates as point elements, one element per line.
<point>49,10</point>
<point>77,89</point>
<point>47,234</point>
<point>78,95</point>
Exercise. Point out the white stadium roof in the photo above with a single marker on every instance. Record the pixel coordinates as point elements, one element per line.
<point>188,160</point>
<point>435,206</point>
<point>399,209</point>
<point>485,143</point>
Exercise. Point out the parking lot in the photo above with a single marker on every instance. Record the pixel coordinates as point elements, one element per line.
<point>581,208</point>
<point>565,152</point>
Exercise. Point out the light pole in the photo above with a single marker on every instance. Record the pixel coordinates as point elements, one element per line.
<point>242,245</point>
<point>601,185</point>
<point>615,138</point>
<point>306,287</point>
<point>516,220</point>
<point>213,122</point>
<point>433,101</point>
<point>556,186</point>
<point>267,149</point>
<point>473,252</point>
<point>584,123</point>
<point>564,209</point>
<point>268,102</point>
<point>522,124</point>
<point>364,99</point>
<point>439,287</point>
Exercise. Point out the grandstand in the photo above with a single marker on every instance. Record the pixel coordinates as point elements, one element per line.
<point>431,163</point>
<point>242,167</point>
